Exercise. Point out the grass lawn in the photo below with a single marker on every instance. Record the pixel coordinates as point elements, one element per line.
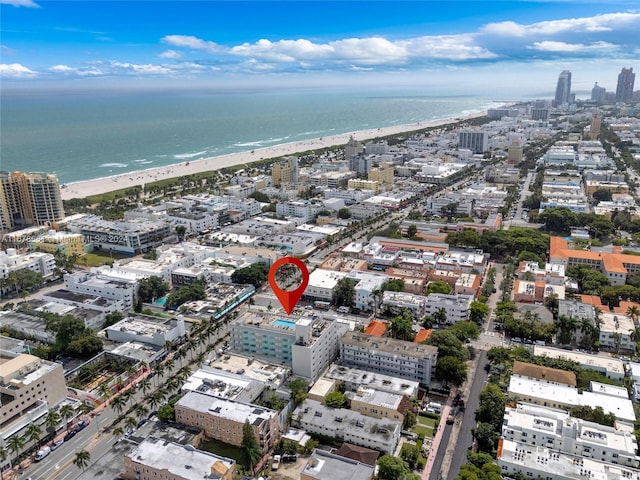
<point>95,259</point>
<point>223,449</point>
<point>425,425</point>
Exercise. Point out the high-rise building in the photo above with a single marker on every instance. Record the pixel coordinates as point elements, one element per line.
<point>598,93</point>
<point>626,79</point>
<point>563,89</point>
<point>285,171</point>
<point>476,141</point>
<point>28,199</point>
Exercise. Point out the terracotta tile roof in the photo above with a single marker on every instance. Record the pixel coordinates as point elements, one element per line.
<point>544,373</point>
<point>591,300</point>
<point>359,454</point>
<point>624,306</point>
<point>376,328</point>
<point>422,335</point>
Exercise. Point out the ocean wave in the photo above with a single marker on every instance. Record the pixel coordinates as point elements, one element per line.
<point>145,162</point>
<point>141,160</point>
<point>248,144</point>
<point>114,165</point>
<point>189,155</point>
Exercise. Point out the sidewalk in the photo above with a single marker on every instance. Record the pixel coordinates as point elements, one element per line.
<point>437,438</point>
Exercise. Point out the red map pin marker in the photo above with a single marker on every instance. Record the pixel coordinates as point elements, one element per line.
<point>288,299</point>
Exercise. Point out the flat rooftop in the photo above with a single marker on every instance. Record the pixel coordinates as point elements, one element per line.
<point>600,361</point>
<point>377,397</point>
<point>327,466</point>
<point>224,384</point>
<point>180,460</point>
<point>228,409</point>
<point>388,345</point>
<point>378,381</point>
<point>251,368</point>
<point>141,325</point>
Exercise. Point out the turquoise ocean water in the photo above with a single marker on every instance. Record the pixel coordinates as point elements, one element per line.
<point>84,135</point>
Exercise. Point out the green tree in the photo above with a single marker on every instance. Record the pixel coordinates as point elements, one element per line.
<point>449,345</point>
<point>299,388</point>
<point>151,288</point>
<point>34,433</point>
<point>412,230</point>
<point>558,220</point>
<point>438,287</point>
<point>82,459</point>
<point>478,312</point>
<point>602,195</point>
<point>486,437</point>
<point>335,399</point>
<point>393,285</point>
<point>451,370</point>
<point>410,420</point>
<point>491,408</point>
<point>344,293</point>
<point>344,213</point>
<point>167,413</point>
<point>180,232</point>
<point>255,274</point>
<point>401,327</point>
<point>51,421</point>
<point>251,452</point>
<point>392,468</point>
<point>15,444</point>
<point>465,331</point>
<point>67,412</point>
<point>112,318</point>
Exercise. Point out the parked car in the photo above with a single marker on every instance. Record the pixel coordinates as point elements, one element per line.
<point>43,452</point>
<point>70,435</point>
<point>55,445</point>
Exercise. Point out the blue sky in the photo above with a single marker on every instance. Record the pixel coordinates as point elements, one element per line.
<point>513,45</point>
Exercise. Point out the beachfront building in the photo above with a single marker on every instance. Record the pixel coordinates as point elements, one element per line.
<point>155,458</point>
<point>308,345</point>
<point>29,199</point>
<point>29,387</point>
<point>222,419</point>
<point>109,283</point>
<point>147,329</point>
<point>66,243</point>
<point>348,425</point>
<point>284,172</point>
<point>389,356</point>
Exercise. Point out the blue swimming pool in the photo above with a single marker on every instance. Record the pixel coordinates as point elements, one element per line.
<point>285,323</point>
<point>162,300</point>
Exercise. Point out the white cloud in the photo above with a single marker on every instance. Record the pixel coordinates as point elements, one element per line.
<point>170,54</point>
<point>82,72</point>
<point>20,3</point>
<point>552,46</point>
<point>145,69</point>
<point>597,23</point>
<point>453,47</point>
<point>61,68</point>
<point>195,43</point>
<point>16,70</point>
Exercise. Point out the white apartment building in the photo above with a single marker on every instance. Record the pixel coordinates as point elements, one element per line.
<point>348,426</point>
<point>11,260</point>
<point>556,430</point>
<point>541,462</point>
<point>476,141</point>
<point>322,283</point>
<point>615,332</point>
<point>455,306</point>
<point>292,243</point>
<point>300,208</point>
<point>147,329</point>
<point>396,301</point>
<point>367,283</point>
<point>112,284</point>
<point>355,378</point>
<point>388,356</point>
<point>560,155</point>
<point>607,365</point>
<point>308,345</point>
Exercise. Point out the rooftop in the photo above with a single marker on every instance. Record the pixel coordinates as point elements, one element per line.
<point>180,460</point>
<point>328,466</point>
<point>228,409</point>
<point>544,373</point>
<point>224,384</point>
<point>363,378</point>
<point>605,362</point>
<point>388,345</point>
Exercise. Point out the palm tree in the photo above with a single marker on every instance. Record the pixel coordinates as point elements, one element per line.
<point>82,460</point>
<point>140,410</point>
<point>15,444</point>
<point>130,422</point>
<point>183,373</point>
<point>51,421</point>
<point>144,385</point>
<point>155,399</point>
<point>169,365</point>
<point>634,312</point>
<point>105,392</point>
<point>180,354</point>
<point>118,403</point>
<point>168,345</point>
<point>34,433</point>
<point>3,457</point>
<point>67,412</point>
<point>566,326</point>
<point>118,432</point>
<point>84,408</point>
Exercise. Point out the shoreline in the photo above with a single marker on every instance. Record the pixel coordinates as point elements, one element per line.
<point>101,185</point>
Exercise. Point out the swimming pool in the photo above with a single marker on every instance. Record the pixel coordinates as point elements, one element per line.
<point>162,300</point>
<point>284,323</point>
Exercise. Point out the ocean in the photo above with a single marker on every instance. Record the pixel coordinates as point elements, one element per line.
<point>86,135</point>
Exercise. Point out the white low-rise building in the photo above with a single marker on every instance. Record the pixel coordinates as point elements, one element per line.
<point>108,283</point>
<point>615,332</point>
<point>322,284</point>
<point>557,430</point>
<point>455,306</point>
<point>147,329</point>
<point>604,363</point>
<point>348,426</point>
<point>396,301</point>
<point>39,262</point>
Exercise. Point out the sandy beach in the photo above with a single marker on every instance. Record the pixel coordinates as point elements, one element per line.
<point>142,177</point>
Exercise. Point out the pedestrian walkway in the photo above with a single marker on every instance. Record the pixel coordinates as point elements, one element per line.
<point>437,438</point>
